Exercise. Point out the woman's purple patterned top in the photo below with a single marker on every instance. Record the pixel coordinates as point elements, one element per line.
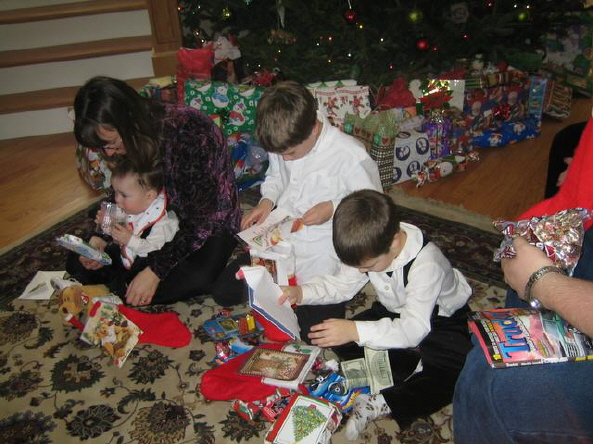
<point>199,184</point>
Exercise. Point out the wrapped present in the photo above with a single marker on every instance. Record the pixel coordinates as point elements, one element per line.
<point>557,100</point>
<point>537,94</point>
<point>438,129</point>
<point>505,100</point>
<point>192,64</point>
<point>410,152</point>
<point>249,159</point>
<point>336,99</point>
<point>92,168</point>
<point>377,132</point>
<point>433,170</point>
<point>507,133</point>
<point>163,89</point>
<point>569,54</point>
<point>234,104</point>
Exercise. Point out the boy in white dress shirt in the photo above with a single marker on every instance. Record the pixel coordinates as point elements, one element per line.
<point>420,314</point>
<point>313,165</point>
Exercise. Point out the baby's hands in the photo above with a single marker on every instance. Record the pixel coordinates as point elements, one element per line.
<point>292,294</point>
<point>333,332</point>
<point>90,264</point>
<point>121,234</point>
<point>319,214</point>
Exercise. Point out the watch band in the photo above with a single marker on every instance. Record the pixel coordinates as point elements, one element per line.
<point>536,276</point>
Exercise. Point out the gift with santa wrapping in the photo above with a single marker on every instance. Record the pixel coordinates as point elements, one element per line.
<point>235,105</point>
<point>336,98</point>
<point>484,106</point>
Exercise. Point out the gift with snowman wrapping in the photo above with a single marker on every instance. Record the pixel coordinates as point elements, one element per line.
<point>234,106</point>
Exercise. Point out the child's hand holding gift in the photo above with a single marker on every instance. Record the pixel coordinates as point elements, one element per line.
<point>99,244</point>
<point>121,234</point>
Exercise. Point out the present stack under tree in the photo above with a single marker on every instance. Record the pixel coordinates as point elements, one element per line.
<point>419,130</point>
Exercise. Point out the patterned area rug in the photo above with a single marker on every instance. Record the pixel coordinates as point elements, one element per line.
<point>56,389</point>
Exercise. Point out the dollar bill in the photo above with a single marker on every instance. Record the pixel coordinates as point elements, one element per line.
<point>379,370</point>
<point>355,373</point>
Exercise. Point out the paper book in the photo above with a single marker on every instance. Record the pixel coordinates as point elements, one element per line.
<point>81,247</point>
<point>263,298</point>
<point>277,226</point>
<point>109,328</point>
<point>516,336</point>
<point>274,364</point>
<point>286,368</point>
<point>305,420</point>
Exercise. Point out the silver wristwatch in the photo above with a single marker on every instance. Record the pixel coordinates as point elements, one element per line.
<point>536,276</point>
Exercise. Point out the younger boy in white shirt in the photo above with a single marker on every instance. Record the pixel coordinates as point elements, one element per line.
<point>420,315</point>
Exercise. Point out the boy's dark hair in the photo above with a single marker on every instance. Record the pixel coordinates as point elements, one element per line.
<point>364,225</point>
<point>286,115</point>
<point>151,179</point>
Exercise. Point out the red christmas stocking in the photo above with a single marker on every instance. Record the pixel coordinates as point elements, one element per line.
<point>158,328</point>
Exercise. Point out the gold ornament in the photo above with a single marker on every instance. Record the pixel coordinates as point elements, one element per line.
<point>226,13</point>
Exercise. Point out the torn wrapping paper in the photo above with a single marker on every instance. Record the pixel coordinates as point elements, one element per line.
<point>277,226</point>
<point>263,298</point>
<point>279,261</point>
<point>559,235</point>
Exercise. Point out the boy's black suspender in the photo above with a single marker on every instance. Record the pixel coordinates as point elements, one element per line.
<point>407,267</point>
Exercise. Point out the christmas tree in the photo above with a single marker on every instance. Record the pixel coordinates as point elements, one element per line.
<point>376,41</point>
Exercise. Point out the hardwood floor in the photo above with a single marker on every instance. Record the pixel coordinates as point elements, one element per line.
<point>40,186</point>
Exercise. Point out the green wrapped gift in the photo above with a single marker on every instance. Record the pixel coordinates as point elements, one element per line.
<point>234,104</point>
<point>377,131</point>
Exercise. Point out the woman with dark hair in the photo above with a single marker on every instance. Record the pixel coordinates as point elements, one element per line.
<point>113,118</point>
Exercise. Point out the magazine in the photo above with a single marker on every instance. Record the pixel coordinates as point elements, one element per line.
<point>81,247</point>
<point>305,420</point>
<point>517,336</point>
<point>283,368</point>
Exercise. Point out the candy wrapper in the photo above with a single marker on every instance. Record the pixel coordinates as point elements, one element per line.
<point>560,236</point>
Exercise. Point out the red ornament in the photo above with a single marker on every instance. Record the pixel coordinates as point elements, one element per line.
<point>350,15</point>
<point>422,44</point>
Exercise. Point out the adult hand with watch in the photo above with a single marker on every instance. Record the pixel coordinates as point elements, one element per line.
<point>535,279</point>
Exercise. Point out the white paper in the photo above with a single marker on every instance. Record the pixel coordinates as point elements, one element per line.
<point>40,286</point>
<point>277,226</point>
<point>263,297</point>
